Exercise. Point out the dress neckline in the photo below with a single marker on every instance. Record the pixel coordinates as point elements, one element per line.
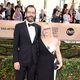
<point>46,46</point>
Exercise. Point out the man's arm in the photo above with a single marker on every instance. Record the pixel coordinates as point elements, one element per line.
<point>16,44</point>
<point>16,48</point>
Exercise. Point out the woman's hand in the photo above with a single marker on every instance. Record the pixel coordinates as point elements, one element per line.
<point>59,66</point>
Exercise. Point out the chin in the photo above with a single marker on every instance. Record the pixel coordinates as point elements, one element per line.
<point>31,20</point>
<point>46,34</point>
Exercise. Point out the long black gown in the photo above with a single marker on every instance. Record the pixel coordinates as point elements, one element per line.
<point>45,67</point>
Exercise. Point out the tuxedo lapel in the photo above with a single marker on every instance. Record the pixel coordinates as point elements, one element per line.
<point>36,32</point>
<point>27,33</point>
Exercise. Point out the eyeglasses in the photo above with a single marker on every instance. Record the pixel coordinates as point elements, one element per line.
<point>31,12</point>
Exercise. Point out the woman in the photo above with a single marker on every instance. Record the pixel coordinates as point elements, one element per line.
<point>66,16</point>
<point>71,16</point>
<point>42,16</point>
<point>17,14</point>
<point>65,6</point>
<point>48,47</point>
<point>55,16</point>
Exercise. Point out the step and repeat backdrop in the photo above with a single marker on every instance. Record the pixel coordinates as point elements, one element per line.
<point>64,31</point>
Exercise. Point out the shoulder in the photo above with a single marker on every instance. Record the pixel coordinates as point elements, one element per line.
<point>20,24</point>
<point>57,41</point>
<point>37,25</point>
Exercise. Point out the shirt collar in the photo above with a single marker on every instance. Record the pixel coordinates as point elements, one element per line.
<point>28,22</point>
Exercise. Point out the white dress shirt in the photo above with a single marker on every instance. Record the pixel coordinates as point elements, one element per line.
<point>31,31</point>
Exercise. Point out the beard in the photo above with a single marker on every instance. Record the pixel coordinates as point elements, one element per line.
<point>30,18</point>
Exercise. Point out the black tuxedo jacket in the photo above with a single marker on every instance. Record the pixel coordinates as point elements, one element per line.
<point>23,50</point>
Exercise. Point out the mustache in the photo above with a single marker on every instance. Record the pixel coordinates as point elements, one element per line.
<point>30,16</point>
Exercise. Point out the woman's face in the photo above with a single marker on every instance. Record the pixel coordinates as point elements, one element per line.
<point>17,10</point>
<point>47,31</point>
<point>57,13</point>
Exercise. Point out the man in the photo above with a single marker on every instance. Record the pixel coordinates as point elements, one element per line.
<point>21,8</point>
<point>25,48</point>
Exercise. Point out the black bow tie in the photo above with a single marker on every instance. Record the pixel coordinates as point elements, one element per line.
<point>30,24</point>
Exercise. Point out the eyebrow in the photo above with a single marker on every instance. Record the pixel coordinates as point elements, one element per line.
<point>46,28</point>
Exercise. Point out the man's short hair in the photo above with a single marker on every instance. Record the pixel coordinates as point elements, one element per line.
<point>26,9</point>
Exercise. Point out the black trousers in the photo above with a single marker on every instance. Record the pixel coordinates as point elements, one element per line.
<point>30,69</point>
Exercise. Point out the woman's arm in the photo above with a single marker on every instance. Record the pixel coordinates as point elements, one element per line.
<point>14,16</point>
<point>58,55</point>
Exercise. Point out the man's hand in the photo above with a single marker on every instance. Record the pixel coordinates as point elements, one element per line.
<point>17,66</point>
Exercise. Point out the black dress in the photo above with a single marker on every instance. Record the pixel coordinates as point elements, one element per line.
<point>45,67</point>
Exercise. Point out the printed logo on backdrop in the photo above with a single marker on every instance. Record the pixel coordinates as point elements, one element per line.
<point>70,31</point>
<point>58,29</point>
<point>5,28</point>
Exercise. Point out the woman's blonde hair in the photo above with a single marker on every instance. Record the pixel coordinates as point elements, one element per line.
<point>45,28</point>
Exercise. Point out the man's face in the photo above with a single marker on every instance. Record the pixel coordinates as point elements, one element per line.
<point>30,14</point>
